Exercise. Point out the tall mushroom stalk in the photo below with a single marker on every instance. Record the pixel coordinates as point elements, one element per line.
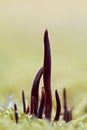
<point>47,76</point>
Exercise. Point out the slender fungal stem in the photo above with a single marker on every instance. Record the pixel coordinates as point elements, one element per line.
<point>69,115</point>
<point>35,87</point>
<point>34,106</point>
<point>65,104</point>
<point>42,104</point>
<point>24,103</point>
<point>27,110</point>
<point>47,76</point>
<point>58,107</point>
<point>16,113</point>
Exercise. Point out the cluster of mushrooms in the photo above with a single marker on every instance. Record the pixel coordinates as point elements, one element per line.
<point>45,106</point>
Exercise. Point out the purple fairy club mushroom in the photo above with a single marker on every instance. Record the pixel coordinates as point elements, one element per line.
<point>35,90</point>
<point>42,104</point>
<point>45,106</point>
<point>58,106</point>
<point>67,115</point>
<point>24,103</point>
<point>16,113</point>
<point>47,76</point>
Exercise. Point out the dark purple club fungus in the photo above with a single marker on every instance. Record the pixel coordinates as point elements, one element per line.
<point>16,113</point>
<point>45,106</point>
<point>35,89</point>
<point>27,110</point>
<point>47,76</point>
<point>58,106</point>
<point>42,104</point>
<point>34,106</point>
<point>65,104</point>
<point>24,103</point>
<point>67,116</point>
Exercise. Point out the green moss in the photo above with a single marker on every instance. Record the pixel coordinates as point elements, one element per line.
<point>7,122</point>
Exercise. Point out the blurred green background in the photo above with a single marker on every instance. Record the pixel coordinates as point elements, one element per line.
<point>22,26</point>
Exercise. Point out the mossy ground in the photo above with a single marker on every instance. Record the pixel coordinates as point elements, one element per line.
<point>7,122</point>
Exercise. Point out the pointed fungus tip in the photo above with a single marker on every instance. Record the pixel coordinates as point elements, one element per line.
<point>64,90</point>
<point>46,31</point>
<point>56,92</point>
<point>46,35</point>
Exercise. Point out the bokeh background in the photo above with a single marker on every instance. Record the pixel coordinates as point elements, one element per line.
<point>22,26</point>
